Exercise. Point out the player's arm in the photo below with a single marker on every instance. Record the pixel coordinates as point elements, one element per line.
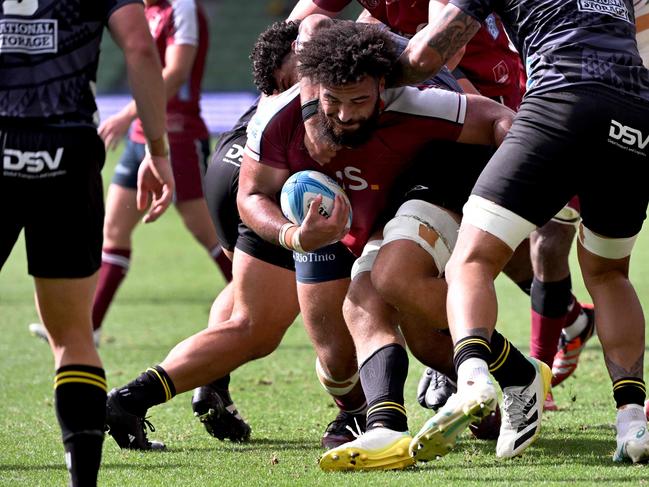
<point>304,8</point>
<point>486,121</point>
<point>434,45</point>
<point>258,185</point>
<point>179,60</point>
<point>129,28</point>
<point>435,8</point>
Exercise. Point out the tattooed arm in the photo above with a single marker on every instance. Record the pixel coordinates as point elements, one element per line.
<point>434,45</point>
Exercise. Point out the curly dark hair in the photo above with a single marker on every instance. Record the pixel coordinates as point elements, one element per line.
<point>269,52</point>
<point>346,52</point>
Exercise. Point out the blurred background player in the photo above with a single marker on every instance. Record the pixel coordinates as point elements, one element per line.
<point>180,32</point>
<point>59,201</point>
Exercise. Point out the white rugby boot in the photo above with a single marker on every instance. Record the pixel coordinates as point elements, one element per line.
<point>521,412</point>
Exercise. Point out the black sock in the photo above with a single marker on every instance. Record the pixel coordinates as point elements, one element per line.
<point>222,385</point>
<point>470,347</point>
<point>552,299</point>
<point>152,387</point>
<point>629,390</point>
<point>383,376</point>
<point>80,396</point>
<point>507,364</point>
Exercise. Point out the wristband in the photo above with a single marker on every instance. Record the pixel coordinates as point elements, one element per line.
<point>282,235</point>
<point>295,242</point>
<point>309,109</point>
<point>158,147</point>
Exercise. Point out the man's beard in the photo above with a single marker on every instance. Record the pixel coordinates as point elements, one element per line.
<point>349,138</point>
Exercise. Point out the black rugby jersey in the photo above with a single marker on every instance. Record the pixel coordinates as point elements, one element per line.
<point>49,50</point>
<point>567,42</point>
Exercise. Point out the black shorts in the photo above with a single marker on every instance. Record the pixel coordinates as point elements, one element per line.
<point>220,187</point>
<point>326,264</point>
<point>442,174</point>
<point>51,186</point>
<point>589,141</point>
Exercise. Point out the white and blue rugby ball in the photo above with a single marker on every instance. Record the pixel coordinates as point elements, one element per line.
<point>301,188</point>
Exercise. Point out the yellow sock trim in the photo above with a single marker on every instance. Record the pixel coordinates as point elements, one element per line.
<point>165,386</point>
<point>60,382</point>
<point>471,341</point>
<point>387,405</point>
<point>501,358</point>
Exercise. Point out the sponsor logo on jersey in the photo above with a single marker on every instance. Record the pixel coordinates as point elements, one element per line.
<point>627,138</point>
<point>492,26</point>
<point>30,164</point>
<point>351,180</point>
<point>613,8</point>
<point>28,36</point>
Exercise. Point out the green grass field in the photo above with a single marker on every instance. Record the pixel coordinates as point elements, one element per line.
<point>167,297</point>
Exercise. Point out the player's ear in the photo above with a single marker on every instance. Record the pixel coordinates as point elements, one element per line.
<point>381,84</point>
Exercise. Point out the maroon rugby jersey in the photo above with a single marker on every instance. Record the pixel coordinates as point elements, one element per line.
<point>410,119</point>
<point>489,63</point>
<point>180,22</point>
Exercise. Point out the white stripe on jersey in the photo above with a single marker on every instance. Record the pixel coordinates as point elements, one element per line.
<point>427,102</point>
<point>262,118</point>
<point>185,17</point>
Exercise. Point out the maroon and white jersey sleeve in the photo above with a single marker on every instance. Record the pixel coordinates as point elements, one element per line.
<point>184,23</point>
<point>270,130</point>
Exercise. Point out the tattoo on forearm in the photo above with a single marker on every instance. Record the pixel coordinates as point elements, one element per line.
<point>455,29</point>
<point>616,371</point>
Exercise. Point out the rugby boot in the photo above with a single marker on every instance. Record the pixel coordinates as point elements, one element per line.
<point>568,352</point>
<point>549,404</point>
<point>215,409</point>
<point>521,412</point>
<point>343,429</point>
<point>128,430</point>
<point>434,389</point>
<point>469,404</point>
<point>633,443</point>
<point>377,449</point>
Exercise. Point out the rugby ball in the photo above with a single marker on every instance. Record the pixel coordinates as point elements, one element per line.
<point>301,188</point>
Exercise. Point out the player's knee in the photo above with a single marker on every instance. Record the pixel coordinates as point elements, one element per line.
<point>432,228</point>
<point>551,244</point>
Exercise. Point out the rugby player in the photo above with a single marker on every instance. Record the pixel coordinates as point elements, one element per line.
<point>378,131</point>
<point>51,184</point>
<point>489,66</point>
<point>254,326</point>
<point>180,32</point>
<point>559,130</point>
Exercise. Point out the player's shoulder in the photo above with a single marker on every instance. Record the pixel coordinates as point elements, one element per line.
<point>281,108</point>
<point>425,102</point>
